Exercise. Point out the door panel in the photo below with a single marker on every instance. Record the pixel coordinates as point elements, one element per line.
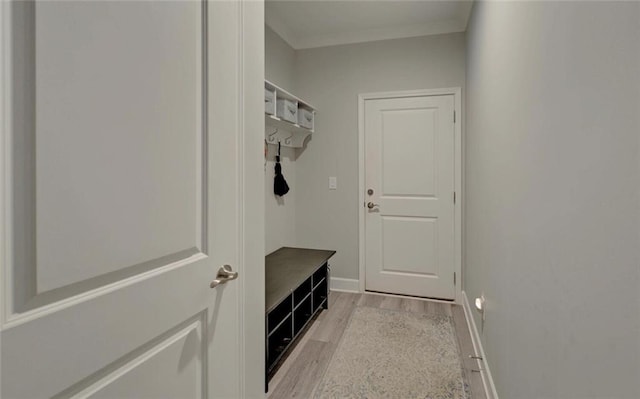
<point>410,245</point>
<point>409,232</point>
<point>114,167</point>
<point>118,118</point>
<point>152,372</point>
<point>58,352</point>
<point>408,173</point>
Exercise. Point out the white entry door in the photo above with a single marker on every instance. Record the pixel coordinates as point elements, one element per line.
<point>409,200</point>
<point>122,199</point>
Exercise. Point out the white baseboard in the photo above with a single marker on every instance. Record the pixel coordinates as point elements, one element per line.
<point>344,284</point>
<point>487,380</point>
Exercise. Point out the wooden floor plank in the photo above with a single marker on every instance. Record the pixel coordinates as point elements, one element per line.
<point>466,346</point>
<point>371,300</point>
<point>331,327</point>
<point>466,350</point>
<point>293,354</point>
<point>299,375</point>
<point>413,305</point>
<point>436,308</point>
<point>305,372</point>
<point>391,302</point>
<point>333,297</point>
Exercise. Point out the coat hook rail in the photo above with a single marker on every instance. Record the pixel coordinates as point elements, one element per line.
<point>271,138</point>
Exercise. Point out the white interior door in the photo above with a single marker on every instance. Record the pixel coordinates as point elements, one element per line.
<point>409,179</point>
<point>117,120</point>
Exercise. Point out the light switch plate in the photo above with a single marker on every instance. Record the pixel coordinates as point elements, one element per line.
<point>333,183</point>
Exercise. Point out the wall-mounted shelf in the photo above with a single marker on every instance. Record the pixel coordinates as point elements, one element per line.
<point>277,128</point>
<point>289,135</point>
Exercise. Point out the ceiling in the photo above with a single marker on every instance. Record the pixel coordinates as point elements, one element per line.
<point>314,23</point>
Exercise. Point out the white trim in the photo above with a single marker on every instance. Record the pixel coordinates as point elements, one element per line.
<point>344,284</point>
<point>5,159</point>
<point>485,373</point>
<point>251,184</point>
<point>5,123</point>
<point>458,175</point>
<point>242,203</point>
<point>361,188</point>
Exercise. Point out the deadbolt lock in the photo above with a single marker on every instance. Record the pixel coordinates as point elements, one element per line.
<point>370,191</point>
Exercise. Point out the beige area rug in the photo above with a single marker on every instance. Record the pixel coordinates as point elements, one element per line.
<point>393,354</point>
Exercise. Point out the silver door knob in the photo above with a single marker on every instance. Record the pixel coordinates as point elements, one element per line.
<point>371,205</point>
<point>225,273</point>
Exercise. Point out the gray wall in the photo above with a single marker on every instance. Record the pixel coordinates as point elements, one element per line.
<point>279,211</point>
<point>552,195</point>
<point>331,79</point>
<point>279,60</point>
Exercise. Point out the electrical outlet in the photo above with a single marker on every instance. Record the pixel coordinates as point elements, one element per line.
<point>333,183</point>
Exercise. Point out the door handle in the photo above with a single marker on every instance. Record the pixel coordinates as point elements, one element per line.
<point>225,273</point>
<point>371,205</point>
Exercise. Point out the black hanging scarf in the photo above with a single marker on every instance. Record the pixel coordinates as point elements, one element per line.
<point>280,186</point>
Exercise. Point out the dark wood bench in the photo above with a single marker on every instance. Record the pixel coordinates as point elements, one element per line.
<point>297,288</point>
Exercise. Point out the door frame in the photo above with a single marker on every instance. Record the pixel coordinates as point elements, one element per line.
<point>250,186</point>
<point>252,207</point>
<point>458,175</point>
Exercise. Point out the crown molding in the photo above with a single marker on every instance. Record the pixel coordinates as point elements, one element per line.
<point>303,40</point>
<point>371,35</point>
<point>362,36</point>
<point>276,24</point>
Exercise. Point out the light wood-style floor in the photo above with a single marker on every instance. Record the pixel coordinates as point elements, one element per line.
<point>302,370</point>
